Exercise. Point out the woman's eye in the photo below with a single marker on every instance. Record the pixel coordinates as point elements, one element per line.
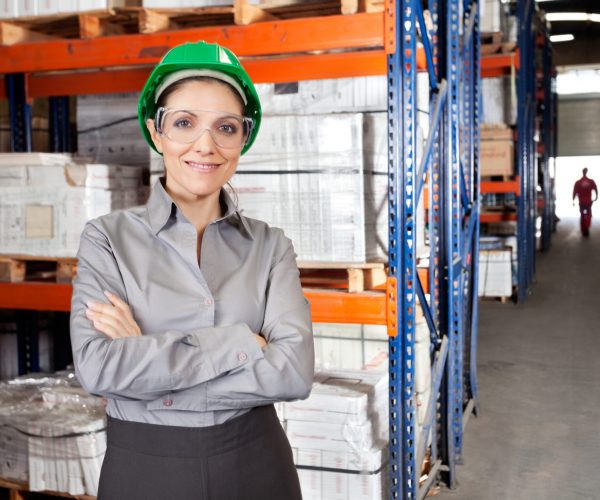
<point>182,123</point>
<point>228,128</point>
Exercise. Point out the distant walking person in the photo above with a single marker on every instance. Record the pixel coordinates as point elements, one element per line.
<point>583,190</point>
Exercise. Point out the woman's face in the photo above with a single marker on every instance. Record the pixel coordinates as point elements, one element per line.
<point>198,169</point>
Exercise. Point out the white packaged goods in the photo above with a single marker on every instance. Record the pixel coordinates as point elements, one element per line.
<point>52,434</point>
<point>341,95</point>
<point>360,476</point>
<point>346,411</point>
<point>27,8</point>
<point>108,131</point>
<point>36,220</point>
<point>347,346</point>
<point>495,273</point>
<point>8,9</point>
<point>492,15</point>
<point>499,98</point>
<point>311,177</point>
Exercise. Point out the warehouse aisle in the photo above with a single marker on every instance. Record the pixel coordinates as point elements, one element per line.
<point>538,436</point>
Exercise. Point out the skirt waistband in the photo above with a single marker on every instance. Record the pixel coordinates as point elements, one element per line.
<point>191,442</point>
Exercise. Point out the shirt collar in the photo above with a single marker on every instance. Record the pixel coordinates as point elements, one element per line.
<point>161,208</point>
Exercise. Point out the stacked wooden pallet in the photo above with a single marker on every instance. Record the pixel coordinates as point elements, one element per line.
<point>127,20</point>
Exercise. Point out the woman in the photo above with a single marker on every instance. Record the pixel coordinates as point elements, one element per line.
<point>187,316</point>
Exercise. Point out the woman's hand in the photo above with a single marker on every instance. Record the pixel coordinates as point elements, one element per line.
<point>113,320</point>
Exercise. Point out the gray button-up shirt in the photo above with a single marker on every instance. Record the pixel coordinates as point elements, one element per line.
<point>197,362</point>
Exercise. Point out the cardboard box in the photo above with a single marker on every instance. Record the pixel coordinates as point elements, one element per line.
<point>497,157</point>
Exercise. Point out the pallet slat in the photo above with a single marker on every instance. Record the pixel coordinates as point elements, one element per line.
<point>21,268</point>
<point>124,20</point>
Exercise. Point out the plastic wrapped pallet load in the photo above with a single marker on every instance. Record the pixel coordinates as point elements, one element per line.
<point>307,174</point>
<point>52,434</point>
<point>46,199</point>
<point>495,273</point>
<point>339,436</point>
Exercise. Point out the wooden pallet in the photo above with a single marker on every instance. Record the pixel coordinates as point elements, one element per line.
<point>20,268</point>
<point>18,491</point>
<point>128,20</point>
<point>270,10</point>
<point>491,43</point>
<point>349,276</point>
<point>504,299</point>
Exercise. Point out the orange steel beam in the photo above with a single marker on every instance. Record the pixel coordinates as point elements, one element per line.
<point>513,186</point>
<point>292,68</point>
<point>356,31</point>
<point>497,216</point>
<point>340,307</point>
<point>499,64</point>
<point>327,306</point>
<point>38,296</point>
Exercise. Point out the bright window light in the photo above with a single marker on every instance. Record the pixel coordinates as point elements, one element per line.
<point>578,81</point>
<point>572,16</point>
<point>562,38</point>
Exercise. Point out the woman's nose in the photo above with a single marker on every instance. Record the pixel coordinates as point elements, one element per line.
<point>204,143</point>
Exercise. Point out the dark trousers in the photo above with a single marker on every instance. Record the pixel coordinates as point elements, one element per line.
<point>586,217</point>
<point>247,458</point>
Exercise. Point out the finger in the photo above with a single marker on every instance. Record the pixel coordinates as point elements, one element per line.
<point>106,329</point>
<point>107,310</point>
<point>120,304</point>
<point>113,322</point>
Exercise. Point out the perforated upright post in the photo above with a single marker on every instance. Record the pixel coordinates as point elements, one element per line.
<point>19,112</point>
<point>402,71</point>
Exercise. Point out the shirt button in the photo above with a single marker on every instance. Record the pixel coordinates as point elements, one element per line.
<point>168,402</point>
<point>242,356</point>
<point>208,302</point>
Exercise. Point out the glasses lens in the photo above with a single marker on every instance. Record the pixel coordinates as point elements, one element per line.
<point>187,126</point>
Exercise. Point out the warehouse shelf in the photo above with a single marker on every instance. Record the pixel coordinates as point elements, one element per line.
<point>513,186</point>
<point>327,306</point>
<point>338,46</point>
<point>532,36</point>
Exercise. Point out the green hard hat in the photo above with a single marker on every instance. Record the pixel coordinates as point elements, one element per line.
<point>199,56</point>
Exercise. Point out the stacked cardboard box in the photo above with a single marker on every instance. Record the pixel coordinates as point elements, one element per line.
<point>46,199</point>
<point>497,151</point>
<point>52,434</point>
<point>339,436</point>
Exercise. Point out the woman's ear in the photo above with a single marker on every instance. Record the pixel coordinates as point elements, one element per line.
<point>156,138</point>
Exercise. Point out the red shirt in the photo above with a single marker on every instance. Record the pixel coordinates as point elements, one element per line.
<point>583,189</point>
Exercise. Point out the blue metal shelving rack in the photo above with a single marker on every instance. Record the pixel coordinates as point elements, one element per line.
<point>547,154</point>
<point>450,166</point>
<point>526,151</point>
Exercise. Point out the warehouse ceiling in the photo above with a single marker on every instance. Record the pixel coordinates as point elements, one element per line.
<point>585,47</point>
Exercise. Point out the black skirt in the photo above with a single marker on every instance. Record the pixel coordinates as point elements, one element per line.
<point>247,458</point>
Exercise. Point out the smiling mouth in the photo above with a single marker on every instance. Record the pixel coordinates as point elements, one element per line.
<point>202,167</point>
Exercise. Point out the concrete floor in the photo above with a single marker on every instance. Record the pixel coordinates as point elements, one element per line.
<point>538,434</point>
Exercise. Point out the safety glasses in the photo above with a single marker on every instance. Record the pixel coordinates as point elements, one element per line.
<point>186,126</point>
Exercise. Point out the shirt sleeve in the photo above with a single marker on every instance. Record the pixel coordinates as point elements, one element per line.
<point>286,371</point>
<point>146,367</point>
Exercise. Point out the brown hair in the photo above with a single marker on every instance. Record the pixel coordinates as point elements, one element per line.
<point>162,100</point>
